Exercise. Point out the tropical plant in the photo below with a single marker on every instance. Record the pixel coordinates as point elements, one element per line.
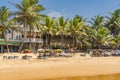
<point>81,19</point>
<point>100,37</point>
<point>62,28</point>
<point>49,29</point>
<point>28,16</point>
<point>118,41</point>
<point>97,22</point>
<point>113,22</point>
<point>5,23</point>
<point>114,42</point>
<point>85,41</point>
<point>76,29</point>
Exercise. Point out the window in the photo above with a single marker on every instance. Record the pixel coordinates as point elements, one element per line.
<point>18,37</point>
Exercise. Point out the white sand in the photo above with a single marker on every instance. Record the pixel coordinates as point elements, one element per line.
<point>57,67</point>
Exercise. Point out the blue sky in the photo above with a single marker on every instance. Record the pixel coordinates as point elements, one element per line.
<point>69,8</point>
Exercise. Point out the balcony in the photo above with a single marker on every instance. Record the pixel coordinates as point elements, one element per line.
<point>33,40</point>
<point>27,40</point>
<point>11,40</point>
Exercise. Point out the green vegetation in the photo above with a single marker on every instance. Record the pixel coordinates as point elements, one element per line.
<point>98,32</point>
<point>5,23</point>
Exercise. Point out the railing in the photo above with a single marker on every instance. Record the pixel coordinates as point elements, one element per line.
<point>2,39</point>
<point>34,40</point>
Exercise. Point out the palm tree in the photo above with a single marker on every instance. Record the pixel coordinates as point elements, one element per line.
<point>28,15</point>
<point>81,19</point>
<point>62,28</point>
<point>118,41</point>
<point>76,29</point>
<point>82,39</point>
<point>100,37</point>
<point>113,22</point>
<point>5,23</point>
<point>49,29</point>
<point>114,42</point>
<point>85,41</point>
<point>99,32</point>
<point>97,22</point>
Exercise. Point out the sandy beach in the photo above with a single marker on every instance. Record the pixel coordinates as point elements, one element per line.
<point>54,68</point>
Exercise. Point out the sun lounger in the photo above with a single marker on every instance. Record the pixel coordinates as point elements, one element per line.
<point>10,57</point>
<point>82,54</point>
<point>26,57</point>
<point>5,57</point>
<point>64,55</point>
<point>115,53</point>
<point>41,56</point>
<point>16,57</point>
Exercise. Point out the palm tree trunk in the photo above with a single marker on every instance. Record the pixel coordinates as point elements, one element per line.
<point>39,45</point>
<point>51,43</point>
<point>46,43</point>
<point>48,40</point>
<point>99,45</point>
<point>74,44</point>
<point>62,42</point>
<point>22,43</point>
<point>30,38</point>
<point>34,44</point>
<point>12,34</point>
<point>23,38</point>
<point>6,42</point>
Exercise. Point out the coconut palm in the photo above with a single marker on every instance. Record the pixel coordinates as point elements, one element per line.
<point>85,41</point>
<point>113,22</point>
<point>49,29</point>
<point>97,22</point>
<point>76,29</point>
<point>118,41</point>
<point>99,32</point>
<point>28,16</point>
<point>100,37</point>
<point>81,19</point>
<point>114,42</point>
<point>62,28</point>
<point>5,23</point>
<point>82,39</point>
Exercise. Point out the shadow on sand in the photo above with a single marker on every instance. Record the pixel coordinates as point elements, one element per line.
<point>99,77</point>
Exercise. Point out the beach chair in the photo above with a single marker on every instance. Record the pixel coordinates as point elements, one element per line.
<point>115,53</point>
<point>10,57</point>
<point>88,55</point>
<point>106,54</point>
<point>16,57</point>
<point>5,57</point>
<point>82,54</point>
<point>65,55</point>
<point>118,52</point>
<point>26,57</point>
<point>41,56</point>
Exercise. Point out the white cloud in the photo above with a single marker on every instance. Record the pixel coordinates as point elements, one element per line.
<point>55,14</point>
